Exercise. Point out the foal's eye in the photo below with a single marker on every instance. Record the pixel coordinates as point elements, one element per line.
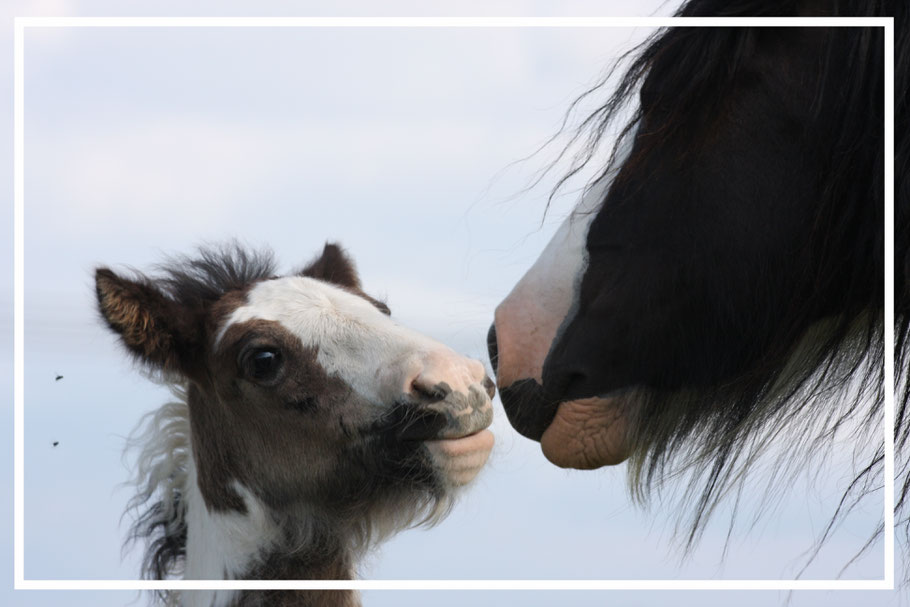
<point>262,364</point>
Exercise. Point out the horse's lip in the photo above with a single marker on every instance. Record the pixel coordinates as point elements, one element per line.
<point>412,438</point>
<point>430,434</point>
<point>433,428</point>
<point>459,437</point>
<point>408,422</point>
<point>528,409</point>
<point>588,433</point>
<point>460,459</point>
<point>479,441</point>
<point>421,428</point>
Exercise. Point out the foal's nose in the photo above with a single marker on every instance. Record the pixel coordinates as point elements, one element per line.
<point>448,396</point>
<point>436,375</point>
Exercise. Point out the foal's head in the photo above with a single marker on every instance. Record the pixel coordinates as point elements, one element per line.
<point>306,400</point>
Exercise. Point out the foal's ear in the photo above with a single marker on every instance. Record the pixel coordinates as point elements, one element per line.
<point>152,326</point>
<point>333,266</point>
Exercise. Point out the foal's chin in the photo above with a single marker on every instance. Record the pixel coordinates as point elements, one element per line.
<point>459,460</point>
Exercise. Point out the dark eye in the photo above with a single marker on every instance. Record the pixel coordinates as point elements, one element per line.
<point>262,364</point>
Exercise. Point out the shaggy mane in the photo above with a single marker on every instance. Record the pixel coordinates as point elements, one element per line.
<point>162,442</point>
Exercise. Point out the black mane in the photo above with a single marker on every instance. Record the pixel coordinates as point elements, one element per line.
<point>679,79</point>
<point>902,255</point>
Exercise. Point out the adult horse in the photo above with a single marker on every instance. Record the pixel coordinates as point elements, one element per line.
<point>721,281</point>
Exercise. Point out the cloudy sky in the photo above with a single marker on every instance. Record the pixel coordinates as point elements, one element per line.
<point>406,146</point>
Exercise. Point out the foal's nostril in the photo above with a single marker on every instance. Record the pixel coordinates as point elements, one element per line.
<point>430,393</point>
<point>493,349</point>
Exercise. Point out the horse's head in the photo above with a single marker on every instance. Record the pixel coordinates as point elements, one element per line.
<point>728,262</point>
<point>301,389</point>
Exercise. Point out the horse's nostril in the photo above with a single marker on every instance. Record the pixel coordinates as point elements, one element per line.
<point>489,386</point>
<point>493,349</point>
<point>566,384</point>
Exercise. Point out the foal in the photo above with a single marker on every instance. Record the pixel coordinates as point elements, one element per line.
<point>309,425</point>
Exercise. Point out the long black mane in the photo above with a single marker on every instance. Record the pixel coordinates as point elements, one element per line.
<point>811,382</point>
<point>902,253</point>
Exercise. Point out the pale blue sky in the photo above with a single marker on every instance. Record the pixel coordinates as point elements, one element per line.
<point>398,143</point>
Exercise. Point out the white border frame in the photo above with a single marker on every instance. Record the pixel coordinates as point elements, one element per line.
<point>21,23</point>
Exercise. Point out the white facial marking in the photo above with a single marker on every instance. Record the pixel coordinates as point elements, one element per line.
<point>528,320</point>
<point>378,358</point>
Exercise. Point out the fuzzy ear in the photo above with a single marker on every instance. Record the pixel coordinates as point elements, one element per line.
<point>150,325</point>
<point>333,266</point>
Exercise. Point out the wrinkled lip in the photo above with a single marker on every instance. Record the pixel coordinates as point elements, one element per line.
<point>588,433</point>
<point>573,432</point>
<point>527,408</point>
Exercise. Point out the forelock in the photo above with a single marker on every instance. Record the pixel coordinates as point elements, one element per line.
<point>214,271</point>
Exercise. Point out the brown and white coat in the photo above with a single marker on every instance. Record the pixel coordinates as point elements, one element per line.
<point>309,424</point>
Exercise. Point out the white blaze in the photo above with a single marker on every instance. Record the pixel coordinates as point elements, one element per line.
<point>378,358</point>
<point>529,318</point>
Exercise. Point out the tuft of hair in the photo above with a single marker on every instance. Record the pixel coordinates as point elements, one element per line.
<point>161,319</point>
<point>199,281</point>
<point>815,387</point>
<point>161,441</point>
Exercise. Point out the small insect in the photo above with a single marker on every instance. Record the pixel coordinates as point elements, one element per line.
<point>56,442</point>
<point>58,378</point>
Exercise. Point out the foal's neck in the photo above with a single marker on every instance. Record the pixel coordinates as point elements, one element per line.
<point>250,545</point>
<point>290,569</point>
